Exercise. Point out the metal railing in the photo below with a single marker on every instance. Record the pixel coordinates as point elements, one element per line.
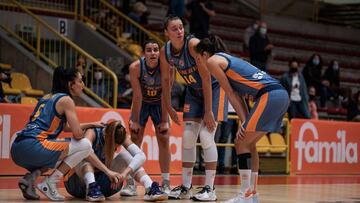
<point>55,49</point>
<point>113,23</point>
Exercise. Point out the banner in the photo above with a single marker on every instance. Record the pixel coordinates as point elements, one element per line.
<point>324,147</point>
<point>13,118</point>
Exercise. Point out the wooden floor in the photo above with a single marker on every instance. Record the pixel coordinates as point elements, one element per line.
<point>272,189</point>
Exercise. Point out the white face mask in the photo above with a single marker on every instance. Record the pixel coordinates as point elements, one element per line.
<point>98,75</point>
<point>263,30</point>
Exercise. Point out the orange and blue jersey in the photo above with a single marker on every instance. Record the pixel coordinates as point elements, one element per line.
<point>185,64</point>
<point>271,99</point>
<point>194,99</point>
<point>244,77</point>
<point>37,146</point>
<point>45,122</point>
<point>150,82</point>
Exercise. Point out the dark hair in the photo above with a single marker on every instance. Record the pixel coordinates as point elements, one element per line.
<point>293,59</point>
<point>115,133</point>
<point>212,45</point>
<point>150,41</point>
<point>170,18</point>
<point>61,79</point>
<point>219,44</point>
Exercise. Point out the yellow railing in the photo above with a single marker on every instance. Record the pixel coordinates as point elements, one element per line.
<point>113,23</point>
<point>55,49</point>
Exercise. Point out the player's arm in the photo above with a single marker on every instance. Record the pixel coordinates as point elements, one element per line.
<point>166,82</point>
<point>206,87</point>
<point>67,106</point>
<point>216,64</point>
<point>134,70</point>
<point>138,159</point>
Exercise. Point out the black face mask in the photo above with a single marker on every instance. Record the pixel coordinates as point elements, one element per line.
<point>293,70</point>
<point>312,97</point>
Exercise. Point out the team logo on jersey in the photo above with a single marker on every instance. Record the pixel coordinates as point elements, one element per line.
<point>181,63</point>
<point>151,81</point>
<point>259,75</point>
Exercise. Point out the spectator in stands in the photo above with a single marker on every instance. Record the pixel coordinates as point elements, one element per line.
<point>260,47</point>
<point>353,111</point>
<point>81,64</point>
<point>99,86</point>
<point>312,103</point>
<point>176,8</point>
<point>3,78</point>
<point>200,12</point>
<point>249,32</point>
<point>313,76</point>
<point>331,82</point>
<point>294,83</point>
<point>124,88</point>
<point>139,13</point>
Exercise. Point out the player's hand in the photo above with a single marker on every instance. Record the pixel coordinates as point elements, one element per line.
<point>115,178</point>
<point>240,134</point>
<point>209,121</point>
<point>134,127</point>
<point>163,127</point>
<point>98,124</point>
<point>174,116</point>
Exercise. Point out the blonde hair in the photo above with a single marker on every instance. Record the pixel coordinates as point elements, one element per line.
<point>115,133</point>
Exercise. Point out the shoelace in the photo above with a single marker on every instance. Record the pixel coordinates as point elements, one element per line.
<point>155,189</point>
<point>204,189</point>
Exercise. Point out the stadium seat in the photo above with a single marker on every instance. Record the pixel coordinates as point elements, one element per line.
<point>8,90</point>
<point>28,100</point>
<point>22,82</point>
<point>278,144</point>
<point>263,145</point>
<point>5,66</point>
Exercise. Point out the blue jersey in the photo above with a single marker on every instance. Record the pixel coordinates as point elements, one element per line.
<point>185,64</point>
<point>45,122</point>
<point>98,144</point>
<point>150,82</point>
<point>246,78</point>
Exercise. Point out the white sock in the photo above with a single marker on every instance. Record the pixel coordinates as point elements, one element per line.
<point>245,176</point>
<point>254,179</point>
<point>56,176</point>
<point>89,177</point>
<point>210,178</point>
<point>187,176</point>
<point>165,176</point>
<point>146,181</point>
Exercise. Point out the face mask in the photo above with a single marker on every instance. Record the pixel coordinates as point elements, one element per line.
<point>263,30</point>
<point>335,67</point>
<point>98,75</point>
<point>293,70</point>
<point>316,61</point>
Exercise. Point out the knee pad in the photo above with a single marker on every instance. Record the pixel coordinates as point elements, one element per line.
<point>78,150</point>
<point>207,139</point>
<point>79,145</point>
<point>208,144</point>
<point>191,132</point>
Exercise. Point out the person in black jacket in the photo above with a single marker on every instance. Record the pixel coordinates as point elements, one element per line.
<point>260,47</point>
<point>294,83</point>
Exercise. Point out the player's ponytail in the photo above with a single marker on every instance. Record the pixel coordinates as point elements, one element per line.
<point>115,134</point>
